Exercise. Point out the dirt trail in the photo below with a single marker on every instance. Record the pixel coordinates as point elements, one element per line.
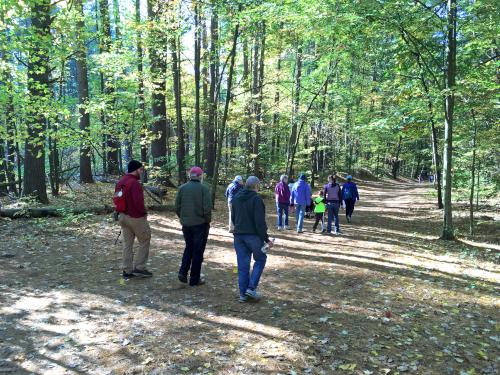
<point>385,297</point>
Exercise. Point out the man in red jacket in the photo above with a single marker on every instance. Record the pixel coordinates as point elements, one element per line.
<point>134,223</point>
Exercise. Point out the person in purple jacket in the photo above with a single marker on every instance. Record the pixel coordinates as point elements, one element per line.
<point>282,194</point>
<point>349,195</point>
<point>333,197</point>
<point>301,197</point>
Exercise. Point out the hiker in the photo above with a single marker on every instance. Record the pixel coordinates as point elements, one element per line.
<point>250,238</point>
<point>134,222</point>
<point>319,211</point>
<point>193,206</point>
<point>300,197</point>
<point>231,191</point>
<point>332,194</point>
<point>282,194</point>
<point>349,195</point>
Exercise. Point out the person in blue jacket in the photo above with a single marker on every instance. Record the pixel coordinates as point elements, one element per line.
<point>350,196</point>
<point>301,198</point>
<point>234,187</point>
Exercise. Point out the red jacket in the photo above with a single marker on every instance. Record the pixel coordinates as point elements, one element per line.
<point>134,196</point>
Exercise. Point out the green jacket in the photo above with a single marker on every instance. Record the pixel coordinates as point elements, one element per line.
<point>193,204</point>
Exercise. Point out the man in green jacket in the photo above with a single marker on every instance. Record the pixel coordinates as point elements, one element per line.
<point>193,206</point>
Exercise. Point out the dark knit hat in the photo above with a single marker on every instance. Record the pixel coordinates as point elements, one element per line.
<point>133,165</point>
<point>302,177</point>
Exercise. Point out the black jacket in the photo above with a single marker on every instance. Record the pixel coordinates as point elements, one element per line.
<point>248,213</point>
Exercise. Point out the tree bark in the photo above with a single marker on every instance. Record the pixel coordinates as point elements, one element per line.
<point>112,144</point>
<point>259,93</point>
<point>158,67</point>
<point>224,115</point>
<point>39,94</point>
<point>473,177</point>
<point>197,76</point>
<point>83,96</point>
<point>212,105</point>
<point>176,75</point>
<point>448,231</point>
<point>140,89</point>
<point>295,111</point>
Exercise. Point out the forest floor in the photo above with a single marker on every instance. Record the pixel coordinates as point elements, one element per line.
<point>385,297</point>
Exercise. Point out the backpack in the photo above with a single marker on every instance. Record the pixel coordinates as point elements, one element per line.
<point>119,198</point>
<point>347,192</point>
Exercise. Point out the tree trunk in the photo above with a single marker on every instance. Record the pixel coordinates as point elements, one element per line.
<point>295,110</point>
<point>434,138</point>
<point>247,87</point>
<point>176,75</point>
<point>396,163</point>
<point>197,64</point>
<point>259,91</point>
<point>473,177</point>
<point>83,96</point>
<point>10,124</point>
<point>212,105</point>
<point>448,231</point>
<point>112,144</point>
<point>140,90</point>
<point>158,68</point>
<point>224,115</point>
<point>38,89</point>
<point>205,80</point>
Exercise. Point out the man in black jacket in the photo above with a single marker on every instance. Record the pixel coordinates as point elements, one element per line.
<point>250,235</point>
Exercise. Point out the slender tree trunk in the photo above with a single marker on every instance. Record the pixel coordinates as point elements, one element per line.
<point>212,105</point>
<point>259,91</point>
<point>38,89</point>
<point>224,115</point>
<point>156,8</point>
<point>140,90</point>
<point>10,124</point>
<point>478,170</point>
<point>448,231</point>
<point>83,97</point>
<point>197,64</point>
<point>396,163</point>
<point>473,177</point>
<point>205,82</point>
<point>247,86</point>
<point>295,110</point>
<point>176,70</point>
<point>112,144</point>
<point>434,138</point>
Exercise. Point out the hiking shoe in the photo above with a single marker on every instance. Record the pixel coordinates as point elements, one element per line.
<point>287,227</point>
<point>243,299</point>
<point>280,228</point>
<point>127,276</point>
<point>142,273</point>
<point>253,294</point>
<point>314,230</point>
<point>182,278</point>
<point>200,282</point>
<point>348,219</point>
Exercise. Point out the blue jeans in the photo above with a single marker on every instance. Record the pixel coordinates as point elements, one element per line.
<point>247,245</point>
<point>333,213</point>
<point>299,215</point>
<point>196,240</point>
<point>282,209</point>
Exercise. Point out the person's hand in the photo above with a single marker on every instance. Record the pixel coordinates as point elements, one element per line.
<point>270,243</point>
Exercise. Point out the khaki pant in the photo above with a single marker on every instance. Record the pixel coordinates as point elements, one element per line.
<point>230,225</point>
<point>132,228</point>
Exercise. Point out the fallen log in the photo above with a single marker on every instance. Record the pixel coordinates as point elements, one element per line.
<point>11,183</point>
<point>156,190</point>
<point>37,212</point>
